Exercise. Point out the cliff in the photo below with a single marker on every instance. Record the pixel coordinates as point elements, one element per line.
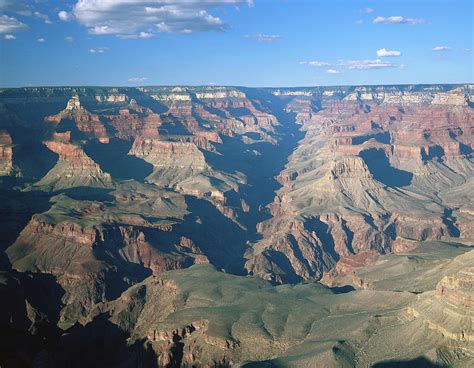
<point>73,169</point>
<point>6,153</point>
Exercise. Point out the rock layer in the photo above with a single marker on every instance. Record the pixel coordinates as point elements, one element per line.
<point>6,153</point>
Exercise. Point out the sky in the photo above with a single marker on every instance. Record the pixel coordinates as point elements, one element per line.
<point>254,43</point>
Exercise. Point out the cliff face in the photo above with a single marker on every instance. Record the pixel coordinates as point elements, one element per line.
<point>133,120</point>
<point>86,123</point>
<point>73,169</point>
<point>170,159</point>
<point>94,249</point>
<point>6,153</point>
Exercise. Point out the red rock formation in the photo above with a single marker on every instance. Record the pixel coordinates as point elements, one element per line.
<point>6,153</point>
<point>346,267</point>
<point>459,288</point>
<point>87,123</point>
<point>168,154</point>
<point>131,125</point>
<point>74,168</point>
<point>81,267</point>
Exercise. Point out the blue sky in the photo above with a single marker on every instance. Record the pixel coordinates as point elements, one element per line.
<point>235,42</point>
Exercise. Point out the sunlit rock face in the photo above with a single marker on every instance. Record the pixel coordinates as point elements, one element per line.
<point>6,153</point>
<point>119,199</point>
<point>74,168</point>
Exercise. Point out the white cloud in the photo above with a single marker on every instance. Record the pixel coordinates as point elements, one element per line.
<point>441,48</point>
<point>354,64</point>
<point>145,35</point>
<point>397,19</point>
<point>137,79</point>
<point>64,16</point>
<point>359,21</point>
<point>316,63</point>
<point>128,18</point>
<point>42,16</point>
<point>41,40</point>
<point>384,53</point>
<point>368,64</point>
<point>265,37</point>
<point>98,50</point>
<point>69,39</point>
<point>367,10</point>
<point>9,37</point>
<point>11,25</point>
<point>332,71</point>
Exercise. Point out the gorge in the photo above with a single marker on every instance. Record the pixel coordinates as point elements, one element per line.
<point>232,226</point>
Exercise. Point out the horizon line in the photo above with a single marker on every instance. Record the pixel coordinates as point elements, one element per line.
<point>239,86</point>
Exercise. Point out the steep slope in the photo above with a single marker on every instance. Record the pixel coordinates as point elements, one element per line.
<point>73,169</point>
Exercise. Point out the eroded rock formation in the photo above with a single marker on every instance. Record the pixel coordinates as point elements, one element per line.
<point>331,184</point>
<point>6,153</point>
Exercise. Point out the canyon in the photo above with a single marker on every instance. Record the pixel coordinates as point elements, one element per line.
<point>232,226</point>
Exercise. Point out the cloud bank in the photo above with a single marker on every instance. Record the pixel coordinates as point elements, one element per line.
<point>129,19</point>
<point>11,25</point>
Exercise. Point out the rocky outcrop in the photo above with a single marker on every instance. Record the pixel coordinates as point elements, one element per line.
<point>459,288</point>
<point>97,260</point>
<point>350,167</point>
<point>203,140</point>
<point>130,124</point>
<point>73,169</point>
<point>179,160</point>
<point>6,153</point>
<point>87,123</point>
<point>449,313</point>
<point>112,97</point>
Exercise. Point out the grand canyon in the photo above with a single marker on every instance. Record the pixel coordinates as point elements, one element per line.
<point>229,226</point>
